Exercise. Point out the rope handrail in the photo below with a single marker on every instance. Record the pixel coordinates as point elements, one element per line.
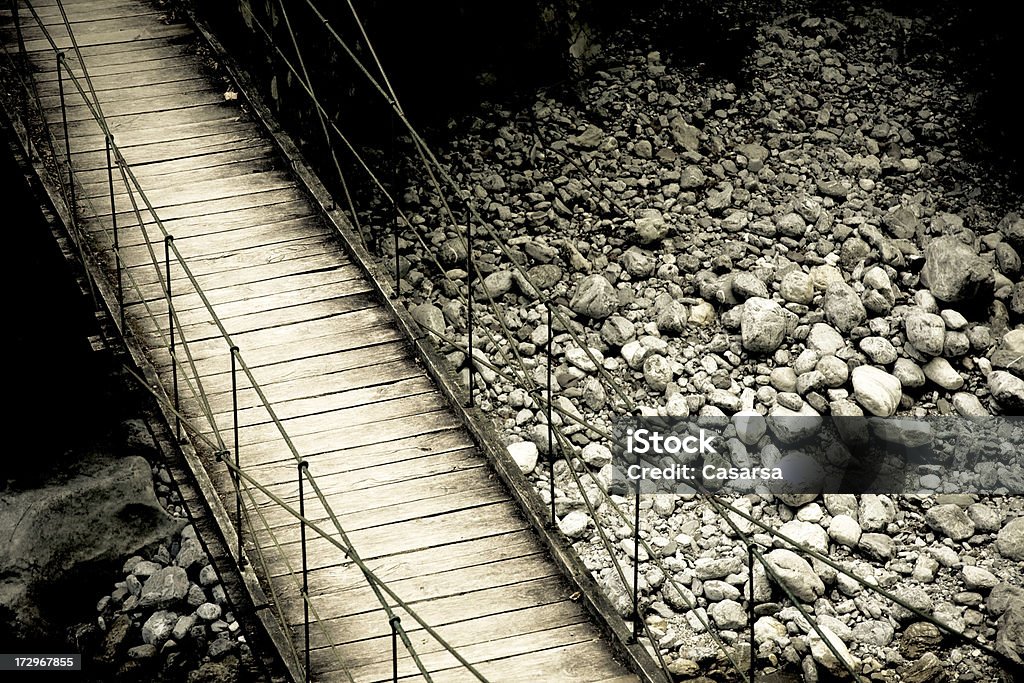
<point>131,181</point>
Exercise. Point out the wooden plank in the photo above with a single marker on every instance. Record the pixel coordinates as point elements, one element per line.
<point>166,144</point>
<point>254,160</point>
<point>145,103</point>
<point>155,171</point>
<point>326,421</point>
<point>314,283</point>
<point>356,596</point>
<point>530,647</point>
<point>162,32</point>
<point>119,125</point>
<point>259,215</point>
<point>132,59</point>
<point>449,442</point>
<point>388,515</point>
<point>417,534</point>
<point>579,661</point>
<point>85,12</point>
<point>410,382</point>
<point>183,193</point>
<point>231,301</point>
<point>408,482</point>
<point>438,613</point>
<point>267,319</point>
<point>117,102</point>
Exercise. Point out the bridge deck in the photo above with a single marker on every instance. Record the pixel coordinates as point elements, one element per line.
<point>420,503</point>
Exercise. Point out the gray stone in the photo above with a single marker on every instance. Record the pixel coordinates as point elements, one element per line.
<point>805,534</point>
<point>498,284</point>
<point>877,546</point>
<point>953,271</point>
<point>925,331</point>
<point>650,226</point>
<point>617,331</point>
<point>844,530</point>
<point>525,455</point>
<point>574,524</point>
<point>589,138</point>
<point>692,178</point>
<point>428,317</point>
<point>1009,354</point>
<point>950,521</point>
<point>908,373</point>
<point>728,614</point>
<point>927,669</point>
<point>796,287</point>
<point>716,590</point>
<point>157,629</point>
<point>843,308</point>
<point>879,350</point>
<point>826,656</point>
<point>1008,390</point>
<point>208,611</point>
<point>747,285</point>
<point>795,574</point>
<point>825,339</point>
<point>672,318</point>
<point>762,325</point>
<point>978,578</point>
<point>876,390</point>
<point>594,298</point>
<point>1010,540</point>
<point>164,588</point>
<point>939,371</point>
<point>657,372</point>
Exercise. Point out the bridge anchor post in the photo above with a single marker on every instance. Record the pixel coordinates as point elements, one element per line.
<point>395,620</point>
<point>238,490</point>
<point>551,428</point>
<point>750,609</point>
<point>168,239</point>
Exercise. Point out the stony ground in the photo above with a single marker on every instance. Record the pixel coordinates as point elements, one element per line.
<point>815,239</point>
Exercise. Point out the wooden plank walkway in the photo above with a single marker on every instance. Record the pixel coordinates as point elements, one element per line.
<point>420,503</point>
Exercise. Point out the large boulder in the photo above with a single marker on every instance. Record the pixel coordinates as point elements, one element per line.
<point>103,511</point>
<point>762,325</point>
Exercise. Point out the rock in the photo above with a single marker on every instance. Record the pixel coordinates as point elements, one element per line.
<point>224,671</point>
<point>919,638</point>
<point>716,591</point>
<point>939,371</point>
<point>876,390</point>
<point>844,530</point>
<point>594,298</point>
<point>728,614</point>
<point>747,285</point>
<point>837,189</point>
<point>825,339</point>
<point>684,135</point>
<point>762,325</point>
<point>750,426</point>
<point>794,573</point>
<point>574,524</point>
<point>1009,354</point>
<point>672,318</point>
<point>639,263</point>
<point>769,630</point>
<point>142,652</point>
<point>950,521</point>
<point>164,588</point>
<point>650,226</point>
<point>879,350</point>
<point>182,627</point>
<point>657,372</point>
<point>692,178</point>
<point>978,578</point>
<point>588,139</point>
<point>617,331</point>
<point>157,629</point>
<point>1010,540</point>
<point>805,534</point>
<point>792,426</point>
<point>877,633</point>
<point>986,518</point>
<point>877,546</point>
<point>796,287</point>
<point>926,332</point>
<point>826,656</point>
<point>843,308</point>
<point>928,669</point>
<point>497,284</point>
<point>908,373</point>
<point>953,271</point>
<point>208,611</point>
<point>525,455</point>
<point>1010,633</point>
<point>428,316</point>
<point>717,567</point>
<point>1007,390</point>
<point>97,510</point>
<point>791,225</point>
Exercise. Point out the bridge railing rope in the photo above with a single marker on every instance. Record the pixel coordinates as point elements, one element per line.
<point>507,356</point>
<point>175,342</point>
